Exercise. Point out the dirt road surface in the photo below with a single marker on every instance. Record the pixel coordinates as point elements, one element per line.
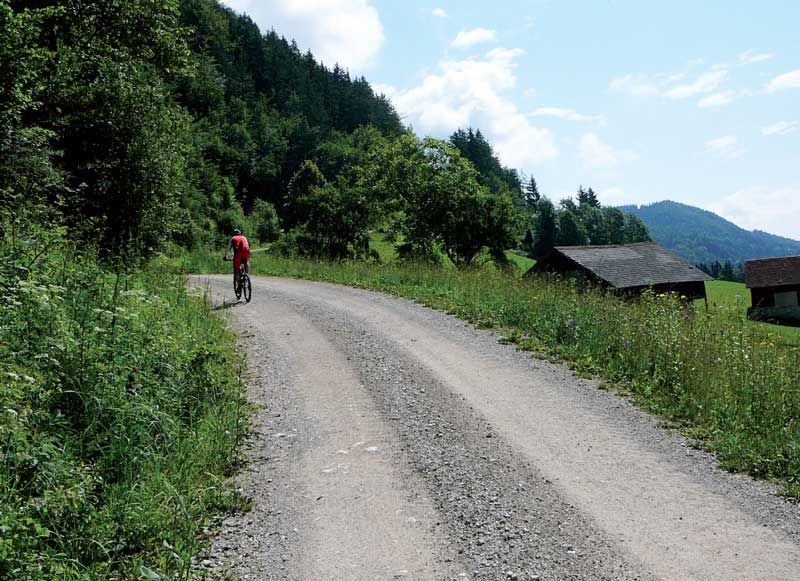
<point>397,442</point>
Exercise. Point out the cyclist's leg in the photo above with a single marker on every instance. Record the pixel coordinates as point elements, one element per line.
<point>237,264</point>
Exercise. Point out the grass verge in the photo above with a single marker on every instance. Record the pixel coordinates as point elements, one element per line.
<point>732,385</point>
<point>120,414</point>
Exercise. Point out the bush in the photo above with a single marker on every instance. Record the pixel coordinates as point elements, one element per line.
<point>265,220</point>
<point>121,414</point>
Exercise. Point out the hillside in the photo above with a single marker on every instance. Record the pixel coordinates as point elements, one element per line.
<point>702,236</point>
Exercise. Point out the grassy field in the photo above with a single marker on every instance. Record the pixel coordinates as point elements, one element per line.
<point>731,300</point>
<point>730,383</point>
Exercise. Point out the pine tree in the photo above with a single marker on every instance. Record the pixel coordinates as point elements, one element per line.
<point>528,242</point>
<point>532,195</point>
<point>545,229</point>
<point>587,198</point>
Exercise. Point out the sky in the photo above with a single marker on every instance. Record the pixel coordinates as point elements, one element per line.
<point>642,100</point>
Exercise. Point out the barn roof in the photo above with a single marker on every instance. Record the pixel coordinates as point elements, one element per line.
<point>767,272</point>
<point>633,265</point>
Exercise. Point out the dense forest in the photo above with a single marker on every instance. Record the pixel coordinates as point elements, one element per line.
<point>703,237</point>
<point>144,124</point>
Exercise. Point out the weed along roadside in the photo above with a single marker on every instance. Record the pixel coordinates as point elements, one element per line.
<point>122,411</point>
<point>731,385</point>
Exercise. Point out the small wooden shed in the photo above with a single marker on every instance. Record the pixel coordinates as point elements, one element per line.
<point>774,285</point>
<point>627,268</point>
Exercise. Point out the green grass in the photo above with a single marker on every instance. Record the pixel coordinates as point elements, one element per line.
<point>731,300</point>
<point>523,262</point>
<point>120,415</point>
<point>732,384</point>
<point>384,248</point>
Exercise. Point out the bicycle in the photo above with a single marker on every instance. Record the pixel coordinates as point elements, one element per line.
<point>244,287</point>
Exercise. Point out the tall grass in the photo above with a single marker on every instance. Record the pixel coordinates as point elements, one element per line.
<point>120,415</point>
<point>735,385</point>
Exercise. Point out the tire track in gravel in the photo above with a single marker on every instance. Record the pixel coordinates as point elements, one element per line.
<point>534,472</point>
<point>352,508</point>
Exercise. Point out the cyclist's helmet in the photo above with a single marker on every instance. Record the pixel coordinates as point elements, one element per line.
<point>236,232</point>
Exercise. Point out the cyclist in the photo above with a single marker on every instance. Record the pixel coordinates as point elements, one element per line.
<point>241,254</point>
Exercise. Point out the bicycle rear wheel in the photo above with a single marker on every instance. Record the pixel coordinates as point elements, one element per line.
<point>247,290</point>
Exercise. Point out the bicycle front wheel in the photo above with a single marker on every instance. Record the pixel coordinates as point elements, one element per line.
<point>247,289</point>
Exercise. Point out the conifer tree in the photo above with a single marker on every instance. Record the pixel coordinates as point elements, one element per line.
<point>545,229</point>
<point>532,195</point>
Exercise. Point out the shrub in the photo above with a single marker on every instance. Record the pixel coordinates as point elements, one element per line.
<point>120,414</point>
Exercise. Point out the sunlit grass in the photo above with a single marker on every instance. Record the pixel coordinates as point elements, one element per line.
<point>732,299</point>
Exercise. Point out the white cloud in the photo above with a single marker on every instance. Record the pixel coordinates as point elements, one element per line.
<point>705,83</point>
<point>530,93</point>
<point>781,128</point>
<point>717,99</point>
<point>638,85</point>
<point>468,38</point>
<point>348,32</point>
<point>617,196</point>
<point>470,92</point>
<point>790,80</point>
<point>751,56</point>
<point>439,13</point>
<point>238,5</point>
<point>383,89</point>
<point>680,85</point>
<point>726,147</point>
<point>774,210</point>
<point>598,155</point>
<point>568,115</point>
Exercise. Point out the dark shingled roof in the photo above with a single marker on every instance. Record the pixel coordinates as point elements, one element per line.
<point>633,265</point>
<point>767,272</point>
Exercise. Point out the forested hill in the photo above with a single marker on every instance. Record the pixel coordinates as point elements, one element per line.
<point>701,236</point>
<point>166,119</point>
<point>261,106</point>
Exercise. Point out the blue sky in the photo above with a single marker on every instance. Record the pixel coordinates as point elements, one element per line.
<point>642,100</point>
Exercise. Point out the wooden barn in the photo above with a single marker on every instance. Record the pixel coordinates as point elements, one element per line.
<point>774,285</point>
<point>627,268</point>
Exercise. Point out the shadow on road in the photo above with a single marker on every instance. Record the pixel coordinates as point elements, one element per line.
<point>228,305</point>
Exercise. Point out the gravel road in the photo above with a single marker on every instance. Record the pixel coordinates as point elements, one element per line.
<point>392,441</point>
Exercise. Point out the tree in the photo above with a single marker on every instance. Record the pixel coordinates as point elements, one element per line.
<point>570,230</point>
<point>544,229</point>
<point>727,272</point>
<point>475,220</point>
<point>491,173</point>
<point>569,204</point>
<point>265,219</point>
<point>532,195</point>
<point>587,198</point>
<point>635,229</point>
<point>437,202</point>
<point>334,224</point>
<point>594,223</point>
<point>615,225</point>
<point>306,178</point>
<point>527,242</point>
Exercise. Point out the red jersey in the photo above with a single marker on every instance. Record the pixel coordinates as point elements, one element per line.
<point>241,250</point>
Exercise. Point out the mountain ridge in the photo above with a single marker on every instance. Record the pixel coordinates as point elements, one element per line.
<point>700,235</point>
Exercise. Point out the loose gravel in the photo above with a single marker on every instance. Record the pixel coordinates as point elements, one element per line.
<point>506,457</point>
